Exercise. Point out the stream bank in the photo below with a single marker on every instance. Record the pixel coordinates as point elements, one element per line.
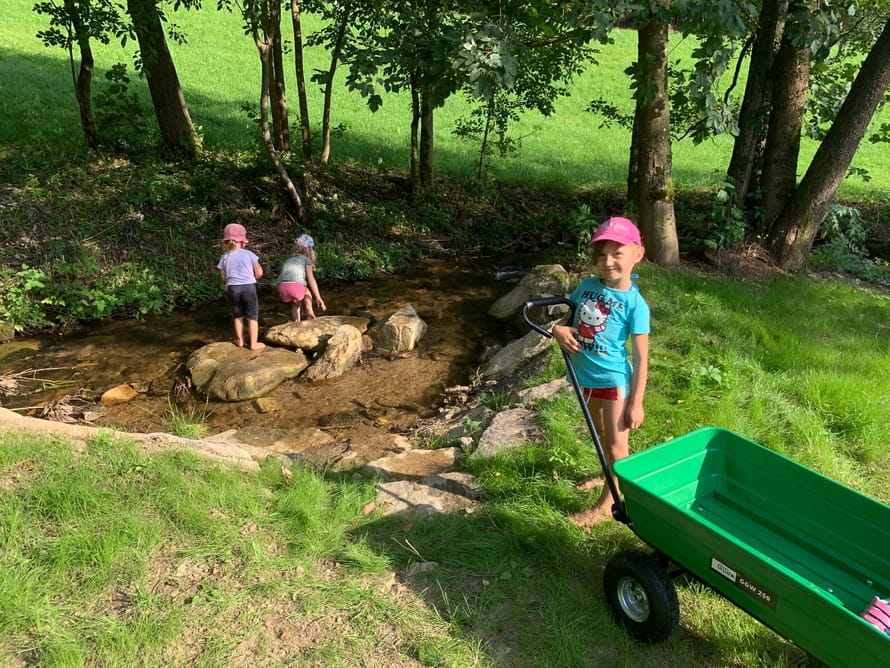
<point>385,394</point>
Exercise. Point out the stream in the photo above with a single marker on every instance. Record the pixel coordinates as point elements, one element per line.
<point>63,378</point>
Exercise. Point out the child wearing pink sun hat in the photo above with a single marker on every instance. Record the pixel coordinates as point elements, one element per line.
<point>609,311</point>
<point>239,270</point>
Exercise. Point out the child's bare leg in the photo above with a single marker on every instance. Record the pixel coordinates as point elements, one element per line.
<point>253,328</point>
<point>295,311</point>
<point>608,419</point>
<point>239,332</point>
<point>595,408</point>
<point>310,312</point>
<point>591,483</point>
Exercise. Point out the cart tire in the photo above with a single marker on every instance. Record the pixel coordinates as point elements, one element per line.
<point>640,596</point>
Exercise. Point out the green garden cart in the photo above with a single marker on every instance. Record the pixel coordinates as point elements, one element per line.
<point>803,554</point>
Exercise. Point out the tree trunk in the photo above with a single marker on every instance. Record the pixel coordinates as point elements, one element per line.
<point>755,104</point>
<point>277,87</point>
<point>655,192</point>
<point>329,88</point>
<point>791,81</point>
<point>265,50</point>
<point>177,131</point>
<point>305,131</point>
<point>84,79</point>
<point>791,238</point>
<point>486,132</point>
<point>633,163</point>
<point>415,127</point>
<point>426,140</point>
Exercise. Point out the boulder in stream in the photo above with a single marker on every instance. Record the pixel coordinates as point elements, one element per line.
<point>400,331</point>
<point>226,372</point>
<point>312,335</point>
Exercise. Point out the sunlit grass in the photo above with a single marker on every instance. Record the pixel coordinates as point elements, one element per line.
<point>113,553</point>
<point>797,364</point>
<point>187,422</point>
<point>219,72</point>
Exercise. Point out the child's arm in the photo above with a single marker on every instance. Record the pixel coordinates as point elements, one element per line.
<point>565,334</point>
<point>634,414</point>
<point>257,270</point>
<point>313,287</point>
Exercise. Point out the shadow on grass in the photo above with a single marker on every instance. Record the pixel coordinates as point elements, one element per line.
<point>518,577</point>
<point>38,112</point>
<point>528,585</point>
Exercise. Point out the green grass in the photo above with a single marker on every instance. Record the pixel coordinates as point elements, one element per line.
<point>186,422</point>
<point>798,364</point>
<point>219,72</point>
<point>113,557</point>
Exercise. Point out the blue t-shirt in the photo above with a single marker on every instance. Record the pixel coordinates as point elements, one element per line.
<point>238,265</point>
<point>605,319</point>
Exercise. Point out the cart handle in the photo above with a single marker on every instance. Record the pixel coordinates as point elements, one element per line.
<point>619,510</point>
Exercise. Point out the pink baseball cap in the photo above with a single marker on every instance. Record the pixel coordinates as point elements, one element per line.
<point>619,230</point>
<point>235,232</point>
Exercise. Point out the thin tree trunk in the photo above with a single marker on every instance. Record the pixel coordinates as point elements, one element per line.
<point>633,163</point>
<point>791,238</point>
<point>791,81</point>
<point>486,131</point>
<point>177,131</point>
<point>264,48</point>
<point>305,131</point>
<point>84,77</point>
<point>655,194</point>
<point>426,140</point>
<point>277,91</point>
<point>755,104</point>
<point>415,130</point>
<point>329,87</point>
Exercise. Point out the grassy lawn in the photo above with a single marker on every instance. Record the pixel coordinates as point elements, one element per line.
<point>111,557</point>
<point>219,72</point>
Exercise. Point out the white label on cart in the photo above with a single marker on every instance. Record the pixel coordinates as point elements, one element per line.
<point>740,580</point>
<point>724,570</point>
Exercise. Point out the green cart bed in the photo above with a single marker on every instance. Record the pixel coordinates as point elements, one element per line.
<point>798,551</point>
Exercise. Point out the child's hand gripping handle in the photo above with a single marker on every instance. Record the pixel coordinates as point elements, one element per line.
<point>619,510</point>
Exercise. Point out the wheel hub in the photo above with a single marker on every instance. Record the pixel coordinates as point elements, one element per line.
<point>633,600</point>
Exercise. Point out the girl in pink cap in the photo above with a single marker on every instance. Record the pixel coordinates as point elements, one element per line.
<point>609,310</point>
<point>240,269</point>
<point>296,282</point>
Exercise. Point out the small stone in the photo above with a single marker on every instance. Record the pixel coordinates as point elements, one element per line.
<point>118,395</point>
<point>266,405</point>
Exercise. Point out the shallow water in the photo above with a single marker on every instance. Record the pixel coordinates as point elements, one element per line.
<point>383,394</point>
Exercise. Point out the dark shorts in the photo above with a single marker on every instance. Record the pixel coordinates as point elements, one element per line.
<point>291,292</point>
<point>244,301</point>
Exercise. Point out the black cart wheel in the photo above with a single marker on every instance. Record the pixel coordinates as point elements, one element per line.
<point>641,596</point>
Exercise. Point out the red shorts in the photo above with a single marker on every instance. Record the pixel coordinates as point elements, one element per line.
<point>291,292</point>
<point>608,393</point>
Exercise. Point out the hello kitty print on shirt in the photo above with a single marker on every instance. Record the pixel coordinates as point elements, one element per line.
<point>592,318</point>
